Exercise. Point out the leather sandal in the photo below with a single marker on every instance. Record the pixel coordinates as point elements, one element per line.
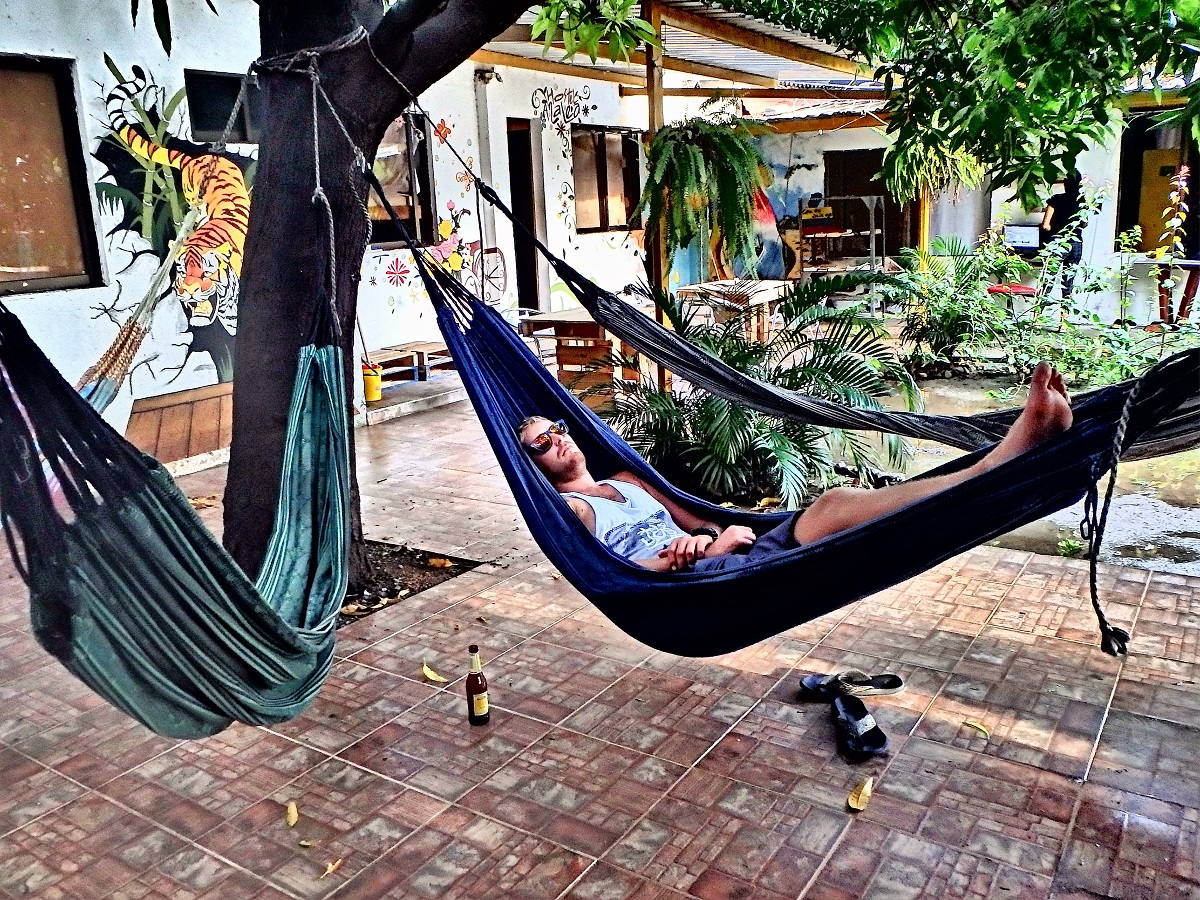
<point>856,684</point>
<point>858,734</point>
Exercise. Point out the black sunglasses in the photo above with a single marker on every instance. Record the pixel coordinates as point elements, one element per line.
<point>543,442</point>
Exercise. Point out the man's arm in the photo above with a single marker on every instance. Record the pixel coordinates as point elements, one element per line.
<point>661,563</point>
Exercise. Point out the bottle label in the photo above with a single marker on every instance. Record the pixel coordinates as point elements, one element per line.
<point>479,704</point>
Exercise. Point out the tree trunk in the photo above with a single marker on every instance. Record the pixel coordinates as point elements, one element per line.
<point>287,249</point>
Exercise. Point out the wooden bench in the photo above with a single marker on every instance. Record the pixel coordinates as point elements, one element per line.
<point>412,361</point>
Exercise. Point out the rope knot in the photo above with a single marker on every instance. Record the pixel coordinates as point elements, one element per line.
<point>1113,640</point>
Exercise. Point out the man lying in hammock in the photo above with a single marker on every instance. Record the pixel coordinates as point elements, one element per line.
<point>636,521</point>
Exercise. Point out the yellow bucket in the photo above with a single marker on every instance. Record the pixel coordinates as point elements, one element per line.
<point>372,382</point>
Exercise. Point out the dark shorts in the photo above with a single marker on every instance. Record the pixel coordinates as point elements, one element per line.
<point>777,540</point>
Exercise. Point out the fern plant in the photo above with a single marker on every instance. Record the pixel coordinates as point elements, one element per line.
<point>719,448</point>
<point>705,173</point>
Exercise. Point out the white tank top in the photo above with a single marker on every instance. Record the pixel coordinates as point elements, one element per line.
<point>636,529</point>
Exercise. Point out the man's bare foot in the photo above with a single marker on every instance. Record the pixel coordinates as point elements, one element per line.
<point>1047,413</point>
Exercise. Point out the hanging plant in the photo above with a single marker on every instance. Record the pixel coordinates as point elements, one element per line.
<point>703,173</point>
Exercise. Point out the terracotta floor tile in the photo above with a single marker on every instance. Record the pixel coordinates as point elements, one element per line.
<point>30,790</point>
<point>661,714</point>
<point>605,882</point>
<point>345,813</point>
<point>1040,729</point>
<point>354,702</point>
<point>1047,665</point>
<point>549,681</point>
<point>1149,756</point>
<point>41,693</point>
<point>1161,688</point>
<point>711,831</point>
<point>588,631</point>
<point>461,855</point>
<point>919,642</point>
<point>1052,598</point>
<point>575,790</point>
<point>440,641</point>
<point>95,747</point>
<point>522,606</point>
<point>195,874</point>
<point>1128,845</point>
<point>1169,623</point>
<point>86,849</point>
<point>792,749</point>
<point>1008,812</point>
<point>873,863</point>
<point>199,785</point>
<point>435,749</point>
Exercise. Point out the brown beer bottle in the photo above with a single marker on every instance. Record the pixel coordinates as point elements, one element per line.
<point>478,712</point>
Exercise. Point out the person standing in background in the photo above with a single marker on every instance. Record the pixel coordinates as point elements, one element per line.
<point>1061,212</point>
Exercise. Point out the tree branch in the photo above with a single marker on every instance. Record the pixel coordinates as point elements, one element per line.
<point>424,40</point>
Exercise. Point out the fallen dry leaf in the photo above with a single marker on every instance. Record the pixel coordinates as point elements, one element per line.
<point>430,674</point>
<point>330,868</point>
<point>768,503</point>
<point>982,729</point>
<point>861,795</point>
<point>307,843</point>
<point>437,562</point>
<point>353,609</point>
<point>482,620</point>
<point>292,816</point>
<point>456,626</point>
<point>204,502</point>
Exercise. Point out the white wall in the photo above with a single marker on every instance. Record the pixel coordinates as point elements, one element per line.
<point>69,325</point>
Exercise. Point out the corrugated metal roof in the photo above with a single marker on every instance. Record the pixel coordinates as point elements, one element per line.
<point>684,45</point>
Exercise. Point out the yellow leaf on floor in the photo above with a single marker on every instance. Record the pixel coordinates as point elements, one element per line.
<point>437,562</point>
<point>769,503</point>
<point>292,816</point>
<point>307,843</point>
<point>861,795</point>
<point>330,868</point>
<point>430,674</point>
<point>204,502</point>
<point>482,620</point>
<point>982,729</point>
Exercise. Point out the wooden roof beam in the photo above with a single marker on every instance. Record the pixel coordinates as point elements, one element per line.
<point>535,64</point>
<point>828,123</point>
<point>723,30</point>
<point>830,93</point>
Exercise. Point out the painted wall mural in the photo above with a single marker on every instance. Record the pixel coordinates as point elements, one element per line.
<point>559,109</point>
<point>189,206</point>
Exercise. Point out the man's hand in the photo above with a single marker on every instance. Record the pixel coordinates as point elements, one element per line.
<point>682,552</point>
<point>732,539</point>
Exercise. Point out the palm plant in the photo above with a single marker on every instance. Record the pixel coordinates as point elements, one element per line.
<point>721,449</point>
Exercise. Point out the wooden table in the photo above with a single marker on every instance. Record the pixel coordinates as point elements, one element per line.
<point>760,296</point>
<point>583,350</point>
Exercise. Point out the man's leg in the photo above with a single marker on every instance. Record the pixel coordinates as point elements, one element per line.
<point>1047,413</point>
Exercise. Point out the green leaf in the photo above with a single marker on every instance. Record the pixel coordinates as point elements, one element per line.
<point>162,23</point>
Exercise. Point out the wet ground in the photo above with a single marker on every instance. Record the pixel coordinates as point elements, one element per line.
<point>1154,521</point>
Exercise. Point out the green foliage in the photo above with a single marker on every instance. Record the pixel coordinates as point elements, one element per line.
<point>162,19</point>
<point>586,24</point>
<point>1069,547</point>
<point>919,169</point>
<point>721,449</point>
<point>1021,86</point>
<point>702,172</point>
<point>947,310</point>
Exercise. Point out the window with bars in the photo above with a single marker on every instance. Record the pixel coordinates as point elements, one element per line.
<point>607,168</point>
<point>47,236</point>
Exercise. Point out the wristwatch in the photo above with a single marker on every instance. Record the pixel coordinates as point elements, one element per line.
<point>706,529</point>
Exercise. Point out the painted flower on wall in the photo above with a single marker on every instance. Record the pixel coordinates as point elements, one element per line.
<point>452,251</point>
<point>397,273</point>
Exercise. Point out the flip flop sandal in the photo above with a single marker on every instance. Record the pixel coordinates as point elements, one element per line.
<point>856,684</point>
<point>824,688</point>
<point>859,735</point>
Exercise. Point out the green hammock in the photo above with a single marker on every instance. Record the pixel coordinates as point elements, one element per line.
<point>128,588</point>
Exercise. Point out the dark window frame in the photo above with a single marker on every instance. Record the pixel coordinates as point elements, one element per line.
<point>246,129</point>
<point>63,72</point>
<point>424,223</point>
<point>1134,139</point>
<point>631,188</point>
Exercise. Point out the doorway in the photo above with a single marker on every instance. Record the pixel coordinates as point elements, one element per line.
<point>521,179</point>
<point>853,173</point>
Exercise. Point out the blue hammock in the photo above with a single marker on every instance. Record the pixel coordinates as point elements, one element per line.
<point>709,613</point>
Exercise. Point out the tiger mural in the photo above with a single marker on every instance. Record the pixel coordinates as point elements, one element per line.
<point>207,273</point>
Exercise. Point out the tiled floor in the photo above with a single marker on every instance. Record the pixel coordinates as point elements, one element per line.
<point>611,771</point>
